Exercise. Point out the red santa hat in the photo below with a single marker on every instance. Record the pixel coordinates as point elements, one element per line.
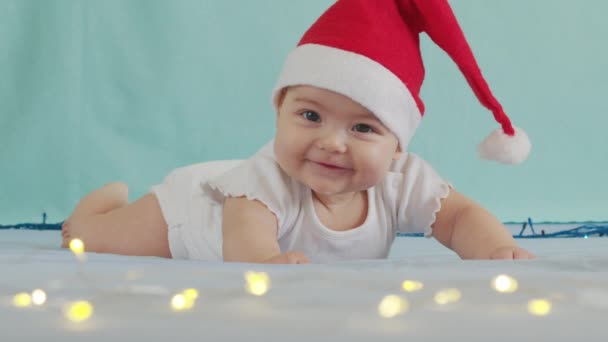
<point>369,50</point>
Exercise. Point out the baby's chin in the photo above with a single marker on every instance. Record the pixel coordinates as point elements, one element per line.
<point>326,187</point>
<point>332,189</point>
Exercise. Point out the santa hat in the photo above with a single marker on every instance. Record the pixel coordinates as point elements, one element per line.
<point>370,51</point>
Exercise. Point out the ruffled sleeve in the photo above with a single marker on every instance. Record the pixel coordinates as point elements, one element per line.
<point>260,178</point>
<point>415,191</point>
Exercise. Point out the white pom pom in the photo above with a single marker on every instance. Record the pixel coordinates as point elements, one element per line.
<point>504,148</point>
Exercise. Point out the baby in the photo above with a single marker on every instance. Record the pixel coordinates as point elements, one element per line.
<point>336,182</point>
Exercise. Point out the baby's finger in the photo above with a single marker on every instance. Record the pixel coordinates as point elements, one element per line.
<point>502,254</point>
<point>289,258</point>
<point>521,253</point>
<point>297,258</point>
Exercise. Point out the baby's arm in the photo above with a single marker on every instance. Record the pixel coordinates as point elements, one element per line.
<point>473,232</point>
<point>249,233</point>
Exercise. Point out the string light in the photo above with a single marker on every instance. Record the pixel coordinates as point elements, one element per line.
<point>585,230</point>
<point>38,297</point>
<point>22,300</point>
<point>447,296</point>
<point>78,311</point>
<point>504,284</point>
<point>539,307</point>
<point>77,247</point>
<point>184,300</point>
<point>258,283</point>
<point>178,302</point>
<point>191,293</point>
<point>393,305</point>
<point>412,285</point>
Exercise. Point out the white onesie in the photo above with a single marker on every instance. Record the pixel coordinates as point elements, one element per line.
<point>191,199</point>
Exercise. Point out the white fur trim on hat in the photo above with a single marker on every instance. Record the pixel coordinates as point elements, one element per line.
<point>360,78</point>
<point>506,149</point>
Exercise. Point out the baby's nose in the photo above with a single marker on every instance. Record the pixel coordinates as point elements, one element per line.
<point>332,142</point>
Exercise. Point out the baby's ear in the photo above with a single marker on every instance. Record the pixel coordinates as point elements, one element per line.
<point>281,98</point>
<point>398,153</point>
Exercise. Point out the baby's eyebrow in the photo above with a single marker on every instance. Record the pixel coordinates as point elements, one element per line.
<point>306,100</point>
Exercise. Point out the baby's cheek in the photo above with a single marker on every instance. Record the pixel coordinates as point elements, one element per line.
<point>375,170</point>
<point>283,139</point>
<point>369,177</point>
<point>284,154</point>
<point>279,150</point>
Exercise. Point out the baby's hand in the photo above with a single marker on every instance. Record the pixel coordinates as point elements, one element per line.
<point>289,258</point>
<point>511,252</point>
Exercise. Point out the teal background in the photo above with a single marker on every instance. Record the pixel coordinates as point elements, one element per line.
<point>97,91</point>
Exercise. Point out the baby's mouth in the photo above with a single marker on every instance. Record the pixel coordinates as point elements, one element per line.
<point>331,166</point>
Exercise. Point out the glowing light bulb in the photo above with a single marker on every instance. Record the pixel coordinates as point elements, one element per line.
<point>179,302</point>
<point>392,305</point>
<point>22,300</point>
<point>412,286</point>
<point>539,307</point>
<point>257,283</point>
<point>191,293</point>
<point>78,311</point>
<point>504,284</point>
<point>184,300</point>
<point>38,297</point>
<point>77,246</point>
<point>447,296</point>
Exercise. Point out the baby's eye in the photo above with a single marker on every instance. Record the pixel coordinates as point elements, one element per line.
<point>311,116</point>
<point>363,128</point>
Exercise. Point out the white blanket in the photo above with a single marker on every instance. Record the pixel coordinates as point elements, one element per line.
<point>339,302</point>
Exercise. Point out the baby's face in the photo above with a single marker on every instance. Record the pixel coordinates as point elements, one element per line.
<point>331,143</point>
